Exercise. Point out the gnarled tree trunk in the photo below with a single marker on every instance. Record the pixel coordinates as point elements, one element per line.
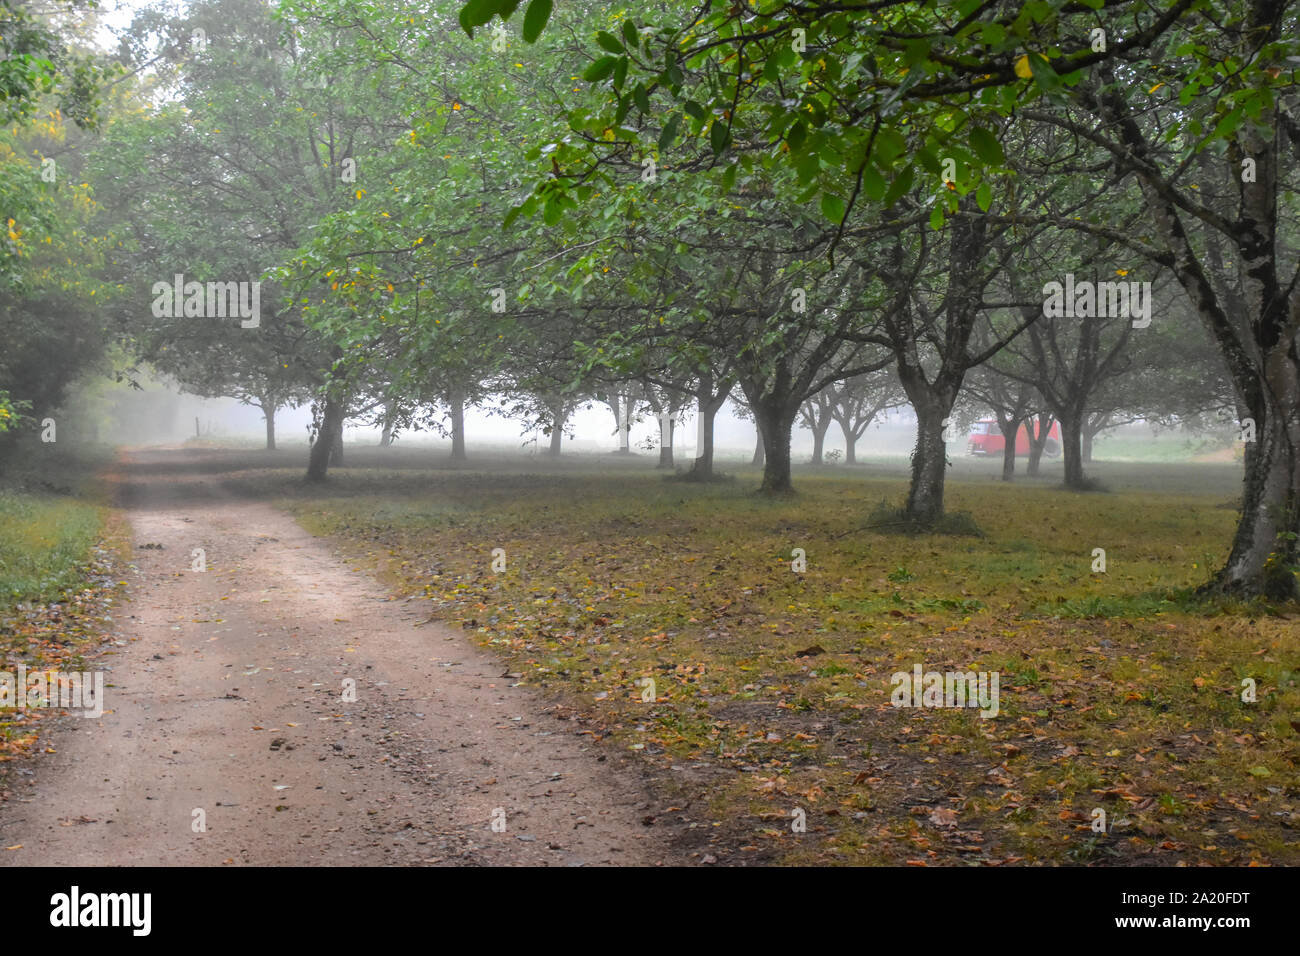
<point>329,428</point>
<point>775,423</point>
<point>1266,545</point>
<point>929,462</point>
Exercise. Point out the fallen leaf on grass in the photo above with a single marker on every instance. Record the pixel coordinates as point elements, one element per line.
<point>943,817</point>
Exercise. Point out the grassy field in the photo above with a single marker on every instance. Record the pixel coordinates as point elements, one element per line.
<point>772,688</point>
<point>44,542</point>
<point>59,545</point>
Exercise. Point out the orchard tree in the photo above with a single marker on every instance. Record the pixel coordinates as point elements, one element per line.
<point>1210,164</point>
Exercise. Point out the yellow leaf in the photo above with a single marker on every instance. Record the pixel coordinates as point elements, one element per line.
<point>1022,68</point>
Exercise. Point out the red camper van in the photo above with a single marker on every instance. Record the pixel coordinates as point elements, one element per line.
<point>986,439</point>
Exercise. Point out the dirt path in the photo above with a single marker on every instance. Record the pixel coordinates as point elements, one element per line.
<point>228,697</point>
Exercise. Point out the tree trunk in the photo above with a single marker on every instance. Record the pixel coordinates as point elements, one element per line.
<point>667,421</point>
<point>929,463</point>
<point>269,411</point>
<point>850,445</point>
<point>775,425</point>
<point>1040,428</point>
<point>1009,433</point>
<point>456,403</point>
<point>622,415</point>
<point>702,467</point>
<point>557,430</point>
<point>1086,450</point>
<point>330,426</point>
<point>819,441</point>
<point>1265,547</point>
<point>336,448</point>
<point>1072,448</point>
<point>758,459</point>
<point>390,416</point>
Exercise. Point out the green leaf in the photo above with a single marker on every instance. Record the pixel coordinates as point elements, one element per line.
<point>609,42</point>
<point>992,34</point>
<point>795,137</point>
<point>873,184</point>
<point>624,102</point>
<point>808,168</point>
<point>512,215</point>
<point>630,35</point>
<point>986,146</point>
<point>833,207</point>
<point>641,98</point>
<point>984,196</point>
<point>899,186</point>
<point>553,211</point>
<point>600,69</point>
<point>1228,125</point>
<point>695,110</point>
<point>936,218</point>
<point>670,131</point>
<point>719,136</point>
<point>536,17</point>
<point>1045,77</point>
<point>889,145</point>
<point>475,13</point>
